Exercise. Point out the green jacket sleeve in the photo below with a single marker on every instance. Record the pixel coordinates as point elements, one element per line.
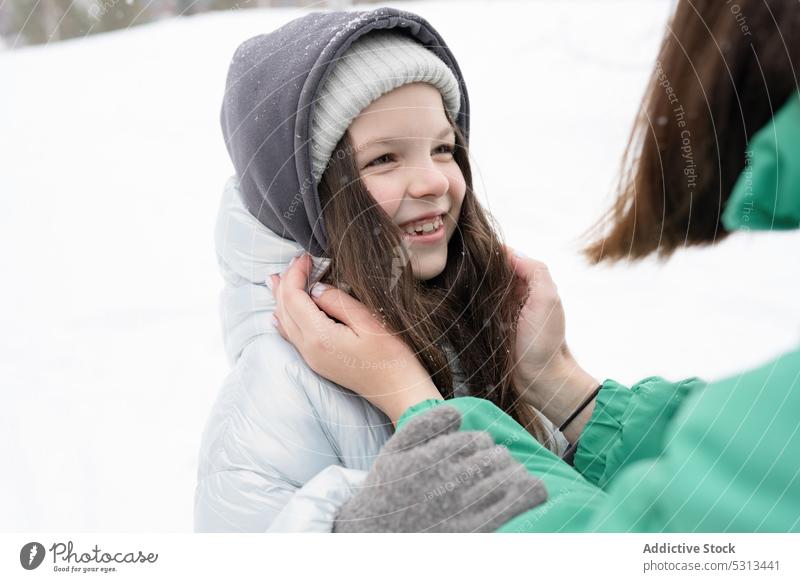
<point>628,425</point>
<point>718,458</point>
<point>730,461</point>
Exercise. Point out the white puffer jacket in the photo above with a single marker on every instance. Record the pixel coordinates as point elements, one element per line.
<point>276,424</point>
<point>283,448</point>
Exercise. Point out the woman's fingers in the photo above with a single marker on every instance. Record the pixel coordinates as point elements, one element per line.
<point>513,258</point>
<point>285,323</point>
<point>296,276</point>
<point>338,304</point>
<point>303,320</point>
<point>534,272</point>
<point>273,285</point>
<point>332,302</point>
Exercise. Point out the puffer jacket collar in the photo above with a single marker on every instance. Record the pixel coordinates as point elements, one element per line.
<point>247,253</point>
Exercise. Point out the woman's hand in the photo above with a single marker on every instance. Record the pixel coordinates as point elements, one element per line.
<point>551,379</point>
<point>432,477</point>
<point>358,353</point>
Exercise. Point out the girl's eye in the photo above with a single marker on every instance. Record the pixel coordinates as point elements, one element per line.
<point>385,158</point>
<point>445,149</point>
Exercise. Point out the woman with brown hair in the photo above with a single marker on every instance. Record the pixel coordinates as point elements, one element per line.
<point>716,148</point>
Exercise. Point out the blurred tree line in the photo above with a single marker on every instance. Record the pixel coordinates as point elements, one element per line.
<point>26,22</point>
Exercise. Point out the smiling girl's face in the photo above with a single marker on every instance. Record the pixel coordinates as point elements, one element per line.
<point>404,153</point>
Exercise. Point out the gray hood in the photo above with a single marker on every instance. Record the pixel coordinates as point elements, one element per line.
<point>267,109</point>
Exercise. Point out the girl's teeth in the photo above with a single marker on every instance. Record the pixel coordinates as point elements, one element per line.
<point>426,228</point>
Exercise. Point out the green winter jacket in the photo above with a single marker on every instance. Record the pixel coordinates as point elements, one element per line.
<point>666,457</point>
<point>686,456</point>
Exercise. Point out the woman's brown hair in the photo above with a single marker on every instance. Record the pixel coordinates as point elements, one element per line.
<point>471,307</point>
<point>724,68</point>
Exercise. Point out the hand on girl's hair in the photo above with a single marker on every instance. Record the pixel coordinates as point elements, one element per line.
<point>540,344</point>
<point>429,477</point>
<point>342,341</point>
<point>546,371</point>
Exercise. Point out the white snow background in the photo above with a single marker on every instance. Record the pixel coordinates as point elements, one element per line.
<point>112,168</point>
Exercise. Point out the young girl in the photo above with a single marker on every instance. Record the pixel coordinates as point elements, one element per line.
<point>348,132</point>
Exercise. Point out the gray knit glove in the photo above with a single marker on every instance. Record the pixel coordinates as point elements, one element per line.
<point>431,478</point>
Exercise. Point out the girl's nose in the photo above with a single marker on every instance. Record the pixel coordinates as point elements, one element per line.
<point>427,180</point>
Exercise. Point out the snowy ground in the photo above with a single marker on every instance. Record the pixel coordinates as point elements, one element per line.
<point>113,164</point>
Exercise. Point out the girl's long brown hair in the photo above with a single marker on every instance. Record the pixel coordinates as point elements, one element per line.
<point>471,307</point>
<point>722,71</point>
